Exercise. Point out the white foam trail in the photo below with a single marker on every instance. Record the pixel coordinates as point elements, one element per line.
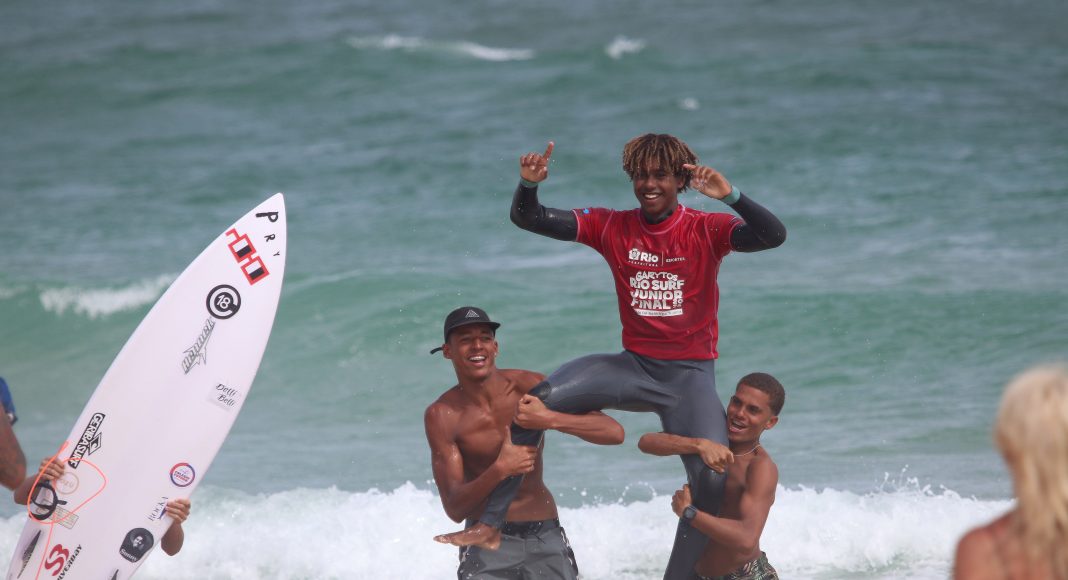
<point>98,302</point>
<point>329,533</point>
<point>464,48</point>
<point>388,42</point>
<point>689,104</point>
<point>622,45</point>
<point>6,293</point>
<point>494,54</point>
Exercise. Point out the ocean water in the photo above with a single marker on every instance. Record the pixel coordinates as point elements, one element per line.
<point>917,152</point>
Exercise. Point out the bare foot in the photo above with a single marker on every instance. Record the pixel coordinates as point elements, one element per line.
<point>479,535</point>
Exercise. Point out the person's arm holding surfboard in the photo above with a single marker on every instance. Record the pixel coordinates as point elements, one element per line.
<point>49,470</point>
<point>528,213</point>
<point>460,498</point>
<point>172,541</point>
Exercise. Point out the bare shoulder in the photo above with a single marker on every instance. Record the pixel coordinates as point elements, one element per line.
<point>762,473</point>
<point>524,380</point>
<point>443,410</point>
<point>976,554</point>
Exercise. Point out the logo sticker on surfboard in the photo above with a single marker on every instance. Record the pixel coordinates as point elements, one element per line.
<point>198,353</point>
<point>223,301</point>
<point>183,474</point>
<point>244,252</point>
<point>67,484</point>
<point>88,443</point>
<point>159,510</point>
<point>137,543</point>
<point>61,559</point>
<point>225,396</point>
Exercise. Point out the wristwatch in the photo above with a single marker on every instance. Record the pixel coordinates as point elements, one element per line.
<point>689,513</point>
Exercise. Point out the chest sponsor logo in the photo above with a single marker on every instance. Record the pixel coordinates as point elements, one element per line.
<point>198,353</point>
<point>183,475</point>
<point>223,301</point>
<point>224,396</point>
<point>641,258</point>
<point>136,544</point>
<point>656,294</point>
<point>89,442</point>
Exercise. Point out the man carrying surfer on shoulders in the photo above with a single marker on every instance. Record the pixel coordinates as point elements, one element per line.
<point>664,259</point>
<point>43,495</point>
<point>733,551</point>
<point>467,428</point>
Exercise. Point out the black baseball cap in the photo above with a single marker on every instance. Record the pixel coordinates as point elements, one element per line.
<point>463,316</point>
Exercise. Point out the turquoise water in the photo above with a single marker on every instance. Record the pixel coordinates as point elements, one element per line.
<point>916,152</point>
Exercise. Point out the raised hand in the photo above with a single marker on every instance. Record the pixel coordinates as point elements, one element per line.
<point>516,459</point>
<point>534,167</point>
<point>708,181</point>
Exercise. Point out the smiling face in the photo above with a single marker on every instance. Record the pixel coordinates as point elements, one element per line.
<point>473,351</point>
<point>657,191</point>
<point>654,164</point>
<point>749,414</point>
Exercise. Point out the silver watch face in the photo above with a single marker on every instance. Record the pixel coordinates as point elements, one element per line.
<point>689,513</point>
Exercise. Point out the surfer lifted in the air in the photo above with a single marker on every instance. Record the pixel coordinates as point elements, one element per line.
<point>664,258</point>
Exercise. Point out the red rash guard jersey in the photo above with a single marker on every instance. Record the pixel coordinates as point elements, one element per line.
<point>665,276</point>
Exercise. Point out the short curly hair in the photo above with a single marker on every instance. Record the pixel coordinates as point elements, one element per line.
<point>662,151</point>
<point>768,385</point>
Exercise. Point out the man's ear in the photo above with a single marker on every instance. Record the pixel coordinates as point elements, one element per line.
<point>771,422</point>
<point>446,351</point>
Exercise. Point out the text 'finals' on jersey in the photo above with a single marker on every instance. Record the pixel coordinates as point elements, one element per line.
<point>665,276</point>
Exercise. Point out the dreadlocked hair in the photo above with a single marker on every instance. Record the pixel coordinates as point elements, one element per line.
<point>663,151</point>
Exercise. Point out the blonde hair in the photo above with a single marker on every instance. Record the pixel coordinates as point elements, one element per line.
<point>1032,433</point>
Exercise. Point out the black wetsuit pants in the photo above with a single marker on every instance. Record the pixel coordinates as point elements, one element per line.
<point>681,392</point>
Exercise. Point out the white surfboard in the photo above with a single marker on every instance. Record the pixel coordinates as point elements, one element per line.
<point>154,424</point>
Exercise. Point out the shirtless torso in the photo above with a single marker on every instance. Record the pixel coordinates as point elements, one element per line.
<point>750,481</point>
<point>477,429</point>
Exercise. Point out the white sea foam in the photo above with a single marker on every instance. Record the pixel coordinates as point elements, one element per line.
<point>622,45</point>
<point>465,48</point>
<point>689,104</point>
<point>6,293</point>
<point>329,533</point>
<point>97,302</point>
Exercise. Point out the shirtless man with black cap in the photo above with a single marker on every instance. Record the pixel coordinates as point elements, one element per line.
<point>471,452</point>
